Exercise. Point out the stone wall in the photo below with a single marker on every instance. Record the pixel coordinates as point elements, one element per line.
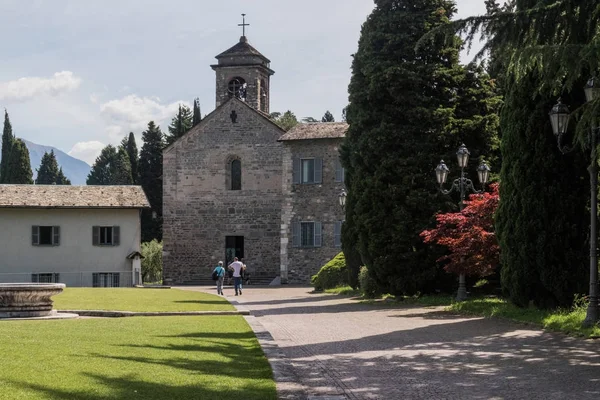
<point>257,77</point>
<point>307,203</point>
<point>200,211</point>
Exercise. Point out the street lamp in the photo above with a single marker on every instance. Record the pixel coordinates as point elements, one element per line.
<point>462,185</point>
<point>559,117</point>
<point>342,199</point>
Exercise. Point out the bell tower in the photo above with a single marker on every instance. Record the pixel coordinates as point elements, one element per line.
<point>243,72</point>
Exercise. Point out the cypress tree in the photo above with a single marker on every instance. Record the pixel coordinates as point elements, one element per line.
<point>19,166</point>
<point>542,219</point>
<point>328,117</point>
<point>7,143</point>
<point>180,124</point>
<point>128,143</point>
<point>150,179</point>
<point>197,116</point>
<point>122,172</point>
<point>403,114</point>
<point>48,172</point>
<point>61,179</point>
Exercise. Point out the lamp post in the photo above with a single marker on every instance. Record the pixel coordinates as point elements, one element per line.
<point>342,199</point>
<point>462,185</point>
<point>559,118</point>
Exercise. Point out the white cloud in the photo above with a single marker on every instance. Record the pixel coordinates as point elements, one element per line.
<point>29,87</point>
<point>87,151</point>
<point>132,113</point>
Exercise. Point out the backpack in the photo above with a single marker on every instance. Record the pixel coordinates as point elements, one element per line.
<point>215,275</point>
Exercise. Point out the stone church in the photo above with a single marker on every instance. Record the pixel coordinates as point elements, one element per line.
<point>237,185</point>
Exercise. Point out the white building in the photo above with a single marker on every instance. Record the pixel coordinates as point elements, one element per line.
<point>78,235</point>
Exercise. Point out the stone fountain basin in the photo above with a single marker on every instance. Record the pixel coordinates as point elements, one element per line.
<point>26,300</point>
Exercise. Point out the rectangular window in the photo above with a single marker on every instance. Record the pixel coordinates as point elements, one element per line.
<point>45,235</point>
<point>337,234</point>
<point>307,234</point>
<point>308,171</point>
<point>339,171</point>
<point>45,278</point>
<point>105,235</point>
<point>105,279</point>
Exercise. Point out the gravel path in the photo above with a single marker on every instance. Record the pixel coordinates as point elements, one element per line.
<point>330,347</point>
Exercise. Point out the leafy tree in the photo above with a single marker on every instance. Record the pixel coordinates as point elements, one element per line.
<point>152,264</point>
<point>122,171</point>
<point>128,143</point>
<point>7,142</point>
<point>469,236</point>
<point>180,124</point>
<point>286,121</point>
<point>48,173</point>
<point>328,117</point>
<point>19,166</point>
<point>405,113</point>
<point>150,179</point>
<point>197,116</point>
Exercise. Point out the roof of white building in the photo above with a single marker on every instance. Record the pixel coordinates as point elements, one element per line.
<point>316,130</point>
<point>67,196</point>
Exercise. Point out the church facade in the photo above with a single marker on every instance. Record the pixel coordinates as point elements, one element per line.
<point>237,185</point>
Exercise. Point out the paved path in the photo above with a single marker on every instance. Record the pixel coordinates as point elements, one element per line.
<point>329,347</point>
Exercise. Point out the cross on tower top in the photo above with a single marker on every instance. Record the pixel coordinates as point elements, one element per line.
<point>243,24</point>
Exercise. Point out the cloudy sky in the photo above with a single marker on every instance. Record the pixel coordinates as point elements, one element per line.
<point>78,75</point>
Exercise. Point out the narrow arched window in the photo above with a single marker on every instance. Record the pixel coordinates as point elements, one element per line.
<point>236,175</point>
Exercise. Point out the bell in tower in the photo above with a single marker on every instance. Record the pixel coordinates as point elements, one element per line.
<point>243,72</point>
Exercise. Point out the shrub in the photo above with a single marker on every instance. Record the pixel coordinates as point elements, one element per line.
<point>332,274</point>
<point>152,261</point>
<point>368,286</point>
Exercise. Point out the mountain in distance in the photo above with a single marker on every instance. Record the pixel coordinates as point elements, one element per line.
<point>73,168</point>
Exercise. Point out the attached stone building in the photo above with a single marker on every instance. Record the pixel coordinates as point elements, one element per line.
<point>229,184</point>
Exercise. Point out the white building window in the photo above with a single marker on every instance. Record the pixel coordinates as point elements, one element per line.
<point>105,235</point>
<point>45,235</point>
<point>307,170</point>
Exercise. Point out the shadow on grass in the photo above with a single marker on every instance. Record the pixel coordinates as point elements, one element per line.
<point>201,302</point>
<point>131,387</point>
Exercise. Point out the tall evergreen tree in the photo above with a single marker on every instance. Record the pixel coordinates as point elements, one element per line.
<point>102,172</point>
<point>48,172</point>
<point>180,124</point>
<point>328,117</point>
<point>150,179</point>
<point>403,116</point>
<point>19,166</point>
<point>61,179</point>
<point>7,142</point>
<point>122,173</point>
<point>128,143</point>
<point>197,116</point>
<point>542,217</point>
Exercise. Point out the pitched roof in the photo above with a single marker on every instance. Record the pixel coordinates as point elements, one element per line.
<point>67,196</point>
<point>242,48</point>
<point>316,130</point>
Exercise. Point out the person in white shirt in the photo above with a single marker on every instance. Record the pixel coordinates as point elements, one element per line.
<point>237,268</point>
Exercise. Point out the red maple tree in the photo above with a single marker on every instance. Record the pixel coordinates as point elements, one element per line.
<point>469,235</point>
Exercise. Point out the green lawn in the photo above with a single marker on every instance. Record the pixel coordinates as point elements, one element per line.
<point>215,357</point>
<point>135,299</point>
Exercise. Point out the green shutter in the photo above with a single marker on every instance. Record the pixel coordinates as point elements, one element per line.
<point>318,235</point>
<point>116,231</point>
<point>56,236</point>
<point>35,235</point>
<point>297,173</point>
<point>318,170</point>
<point>296,234</point>
<point>96,237</point>
<point>337,234</point>
<point>339,171</point>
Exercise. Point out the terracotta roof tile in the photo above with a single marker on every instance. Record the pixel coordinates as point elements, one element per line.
<point>66,196</point>
<point>316,130</point>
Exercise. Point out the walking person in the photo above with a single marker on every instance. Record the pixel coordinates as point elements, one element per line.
<point>220,272</point>
<point>237,268</point>
<point>245,273</point>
